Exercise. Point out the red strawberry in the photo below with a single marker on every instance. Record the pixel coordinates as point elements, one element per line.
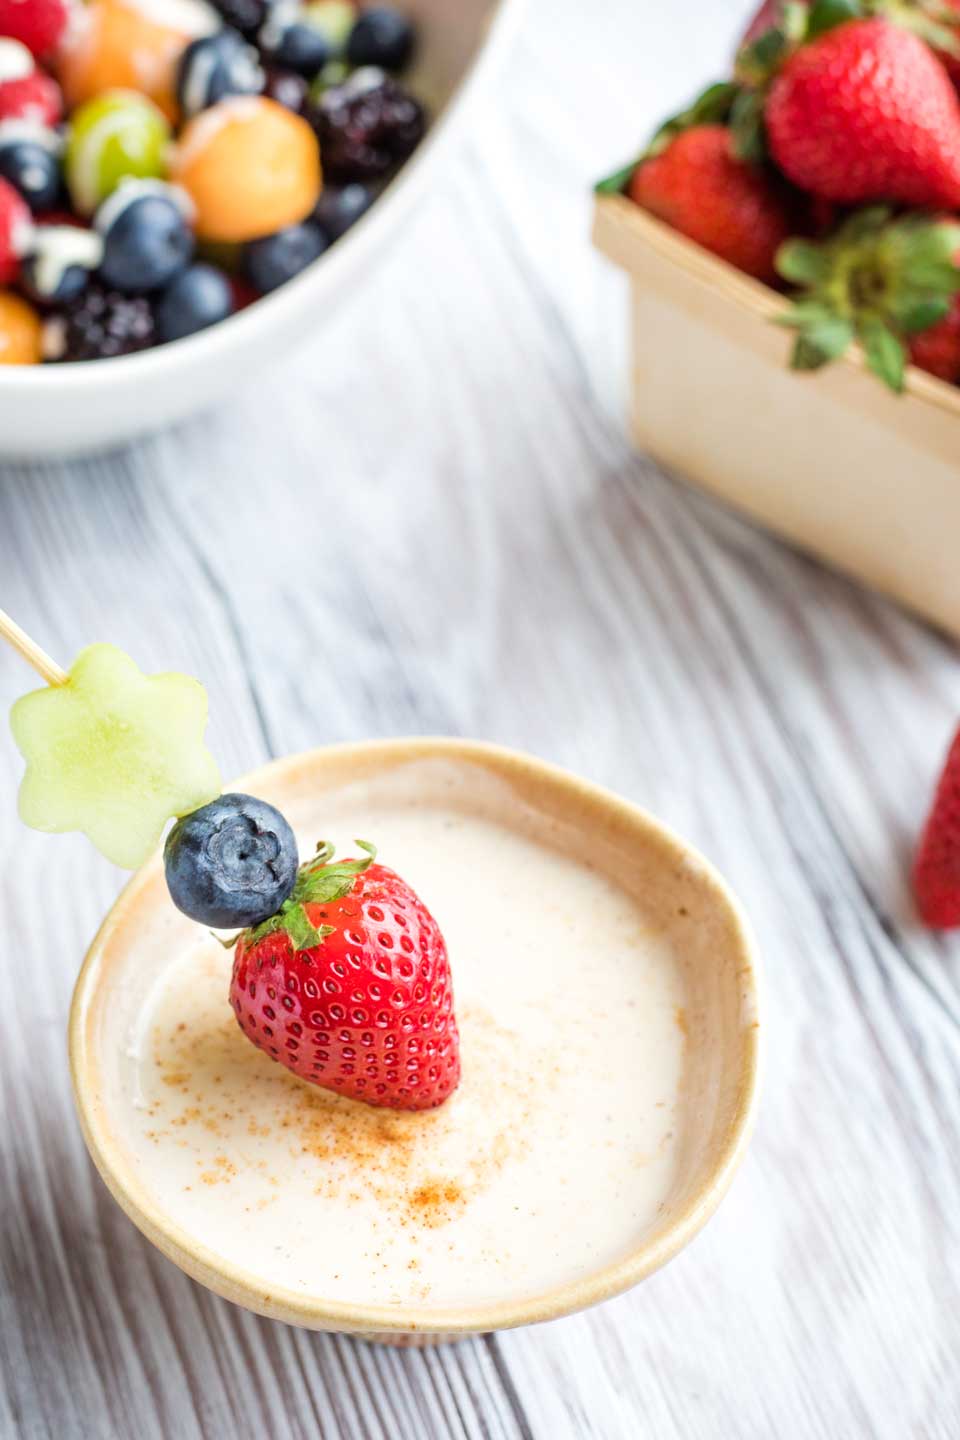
<point>349,987</point>
<point>864,112</point>
<point>698,186</point>
<point>935,21</point>
<point>38,24</point>
<point>937,350</point>
<point>936,869</point>
<point>16,228</point>
<point>33,97</point>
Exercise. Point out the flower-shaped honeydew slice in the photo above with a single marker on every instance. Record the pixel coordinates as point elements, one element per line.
<point>114,753</point>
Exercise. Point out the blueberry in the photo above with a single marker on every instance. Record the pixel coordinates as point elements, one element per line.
<point>339,207</point>
<point>69,284</point>
<point>381,36</point>
<point>197,297</point>
<point>214,67</point>
<point>30,160</point>
<point>244,15</point>
<point>271,262</point>
<point>146,239</point>
<point>231,863</point>
<point>58,266</point>
<point>294,45</point>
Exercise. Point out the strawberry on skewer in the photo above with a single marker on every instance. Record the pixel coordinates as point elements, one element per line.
<point>349,986</point>
<point>341,972</point>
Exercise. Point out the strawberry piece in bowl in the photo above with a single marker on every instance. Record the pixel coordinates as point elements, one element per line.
<point>38,24</point>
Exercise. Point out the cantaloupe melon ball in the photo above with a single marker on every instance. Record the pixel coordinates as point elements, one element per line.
<point>130,45</point>
<point>20,331</point>
<point>250,166</point>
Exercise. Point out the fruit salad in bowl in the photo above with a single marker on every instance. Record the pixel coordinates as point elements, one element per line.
<point>186,188</point>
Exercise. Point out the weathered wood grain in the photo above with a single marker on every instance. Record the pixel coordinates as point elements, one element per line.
<point>429,521</point>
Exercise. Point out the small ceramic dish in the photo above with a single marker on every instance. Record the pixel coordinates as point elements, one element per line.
<point>71,408</point>
<point>717,1096</point>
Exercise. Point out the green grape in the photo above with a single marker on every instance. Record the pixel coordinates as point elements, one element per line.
<point>113,137</point>
<point>114,753</point>
<point>335,72</point>
<point>335,19</point>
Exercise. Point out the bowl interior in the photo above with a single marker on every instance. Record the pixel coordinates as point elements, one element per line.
<point>683,903</point>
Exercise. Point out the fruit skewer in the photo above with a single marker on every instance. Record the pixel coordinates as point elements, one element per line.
<point>118,754</point>
<point>29,650</point>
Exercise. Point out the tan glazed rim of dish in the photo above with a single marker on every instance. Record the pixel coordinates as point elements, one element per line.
<point>280,1303</point>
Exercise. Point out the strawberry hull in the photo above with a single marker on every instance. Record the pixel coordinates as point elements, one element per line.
<point>831,461</point>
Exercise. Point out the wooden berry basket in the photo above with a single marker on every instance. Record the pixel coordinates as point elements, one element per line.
<point>868,480</point>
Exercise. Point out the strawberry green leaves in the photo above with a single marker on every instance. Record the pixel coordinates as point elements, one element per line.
<point>712,107</point>
<point>319,882</point>
<point>878,280</point>
<point>759,60</point>
<point>826,15</point>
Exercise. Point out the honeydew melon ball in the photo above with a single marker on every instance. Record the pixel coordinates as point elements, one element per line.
<point>334,19</point>
<point>117,136</point>
<point>114,753</point>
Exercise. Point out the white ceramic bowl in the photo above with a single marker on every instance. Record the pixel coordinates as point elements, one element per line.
<point>65,409</point>
<point>717,1100</point>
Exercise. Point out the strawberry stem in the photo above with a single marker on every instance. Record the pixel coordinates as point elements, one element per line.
<point>319,881</point>
<point>878,280</point>
<point>711,107</point>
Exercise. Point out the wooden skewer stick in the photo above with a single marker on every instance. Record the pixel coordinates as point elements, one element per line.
<point>30,650</point>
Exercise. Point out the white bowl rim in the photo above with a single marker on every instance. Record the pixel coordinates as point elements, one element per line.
<point>314,1312</point>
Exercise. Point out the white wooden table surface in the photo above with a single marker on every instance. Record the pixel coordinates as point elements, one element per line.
<point>430,522</point>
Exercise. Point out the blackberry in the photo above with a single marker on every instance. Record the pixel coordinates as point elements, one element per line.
<point>367,125</point>
<point>244,15</point>
<point>101,325</point>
